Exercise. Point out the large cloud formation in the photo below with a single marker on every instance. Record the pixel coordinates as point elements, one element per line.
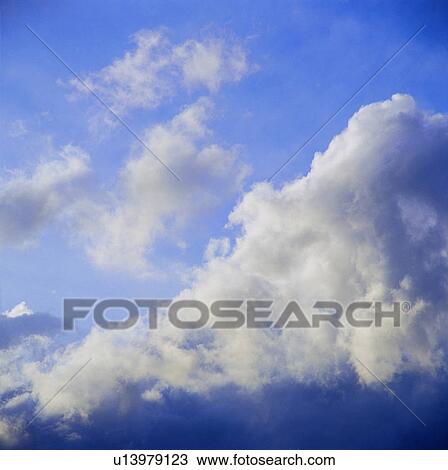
<point>368,221</point>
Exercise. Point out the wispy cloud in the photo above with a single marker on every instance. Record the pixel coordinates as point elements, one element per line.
<point>155,69</point>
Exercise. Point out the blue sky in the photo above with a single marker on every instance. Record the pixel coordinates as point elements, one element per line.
<point>285,67</point>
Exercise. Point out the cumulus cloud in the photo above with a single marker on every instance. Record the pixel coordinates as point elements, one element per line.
<point>368,221</point>
<point>148,202</point>
<point>153,70</point>
<point>30,201</point>
<point>18,311</point>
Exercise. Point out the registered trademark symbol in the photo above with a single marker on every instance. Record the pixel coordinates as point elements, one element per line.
<point>405,307</point>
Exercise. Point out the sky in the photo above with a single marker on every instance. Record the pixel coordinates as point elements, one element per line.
<point>223,93</point>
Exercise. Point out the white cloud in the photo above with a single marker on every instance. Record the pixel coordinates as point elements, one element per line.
<point>152,71</point>
<point>149,202</point>
<point>9,432</point>
<point>13,359</point>
<point>345,231</point>
<point>152,395</point>
<point>18,311</point>
<point>29,202</point>
<point>211,63</point>
<point>16,401</point>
